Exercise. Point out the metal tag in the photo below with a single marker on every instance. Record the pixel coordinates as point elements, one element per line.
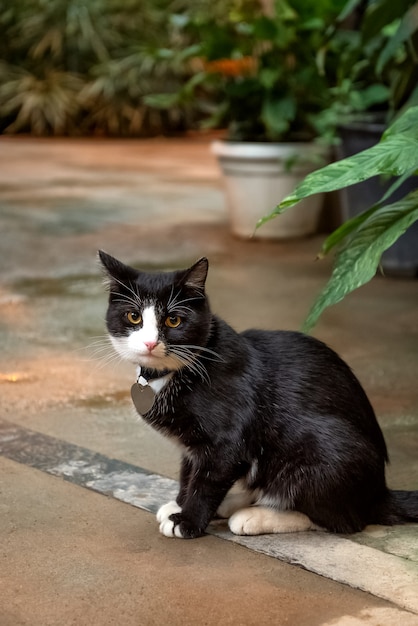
<point>143,397</point>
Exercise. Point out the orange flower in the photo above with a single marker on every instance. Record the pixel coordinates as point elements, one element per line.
<point>232,67</point>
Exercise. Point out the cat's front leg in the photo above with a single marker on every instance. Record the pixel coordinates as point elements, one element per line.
<point>177,526</point>
<point>196,504</point>
<point>189,521</point>
<point>164,512</point>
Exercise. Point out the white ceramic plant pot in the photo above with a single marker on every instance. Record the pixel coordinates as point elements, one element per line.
<point>257,176</point>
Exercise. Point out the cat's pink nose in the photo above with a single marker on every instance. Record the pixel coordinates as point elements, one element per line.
<point>150,345</point>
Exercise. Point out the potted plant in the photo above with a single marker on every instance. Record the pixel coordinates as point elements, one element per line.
<point>360,241</point>
<point>259,73</point>
<point>377,77</point>
<point>383,224</point>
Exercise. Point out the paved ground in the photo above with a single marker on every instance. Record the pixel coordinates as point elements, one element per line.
<point>70,555</point>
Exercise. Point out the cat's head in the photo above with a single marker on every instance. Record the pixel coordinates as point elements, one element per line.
<point>158,320</point>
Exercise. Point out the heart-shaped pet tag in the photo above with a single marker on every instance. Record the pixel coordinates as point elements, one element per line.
<point>143,397</point>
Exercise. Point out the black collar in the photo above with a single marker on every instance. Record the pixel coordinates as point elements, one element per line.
<point>153,374</point>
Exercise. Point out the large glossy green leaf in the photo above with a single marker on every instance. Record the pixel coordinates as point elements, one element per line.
<point>407,123</point>
<point>357,262</point>
<point>395,155</point>
<point>341,234</point>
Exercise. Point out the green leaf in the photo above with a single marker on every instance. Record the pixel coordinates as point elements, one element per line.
<point>358,261</point>
<point>179,20</point>
<point>372,95</point>
<point>380,14</point>
<point>284,11</point>
<point>407,27</point>
<point>407,123</point>
<point>348,9</point>
<point>265,28</point>
<point>395,155</point>
<point>269,76</point>
<point>168,100</point>
<point>162,100</point>
<point>344,230</point>
<point>352,224</point>
<point>278,112</point>
<point>396,184</point>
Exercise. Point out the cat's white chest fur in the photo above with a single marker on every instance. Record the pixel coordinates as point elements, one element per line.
<point>158,383</point>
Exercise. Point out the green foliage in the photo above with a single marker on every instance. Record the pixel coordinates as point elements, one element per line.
<point>378,52</point>
<point>71,67</point>
<point>261,73</point>
<point>314,64</point>
<point>138,66</point>
<point>358,258</point>
<point>43,103</point>
<point>361,241</point>
<point>378,70</point>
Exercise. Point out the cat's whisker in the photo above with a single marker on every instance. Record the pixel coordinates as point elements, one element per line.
<point>100,339</point>
<point>201,351</point>
<point>97,346</point>
<point>105,355</point>
<point>191,361</point>
<point>214,355</point>
<point>181,310</point>
<point>175,304</point>
<point>202,371</point>
<point>135,300</point>
<point>124,298</point>
<point>198,369</point>
<point>171,299</point>
<point>101,352</point>
<point>125,285</point>
<point>192,356</point>
<point>103,362</point>
<point>185,356</point>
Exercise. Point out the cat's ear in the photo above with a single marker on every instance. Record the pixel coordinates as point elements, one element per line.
<point>116,269</point>
<point>195,277</point>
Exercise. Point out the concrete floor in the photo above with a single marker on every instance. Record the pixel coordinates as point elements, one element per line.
<point>72,556</point>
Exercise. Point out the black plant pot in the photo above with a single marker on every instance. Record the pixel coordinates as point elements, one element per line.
<point>401,259</point>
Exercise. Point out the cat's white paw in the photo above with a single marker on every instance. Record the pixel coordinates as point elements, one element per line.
<point>167,526</point>
<point>245,522</point>
<point>258,520</point>
<point>166,510</point>
<point>233,502</point>
<point>168,529</point>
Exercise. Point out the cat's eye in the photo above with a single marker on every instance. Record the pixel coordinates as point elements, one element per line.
<point>134,317</point>
<point>172,321</point>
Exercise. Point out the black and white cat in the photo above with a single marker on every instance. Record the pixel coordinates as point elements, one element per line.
<point>278,411</point>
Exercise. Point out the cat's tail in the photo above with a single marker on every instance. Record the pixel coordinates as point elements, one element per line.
<point>400,507</point>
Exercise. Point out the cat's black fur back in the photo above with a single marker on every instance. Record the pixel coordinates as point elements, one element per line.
<point>277,409</point>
